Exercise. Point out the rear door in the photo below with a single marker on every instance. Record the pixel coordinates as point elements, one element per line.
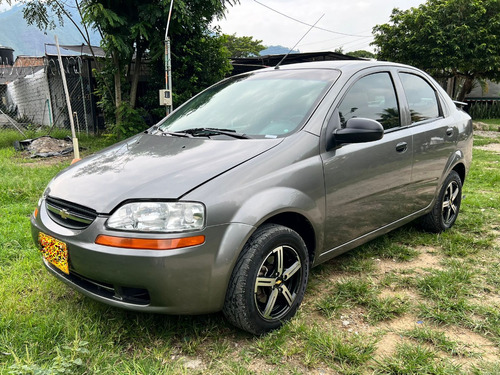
<point>434,137</point>
<point>366,184</point>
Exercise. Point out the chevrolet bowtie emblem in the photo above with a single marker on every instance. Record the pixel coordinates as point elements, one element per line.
<point>64,213</point>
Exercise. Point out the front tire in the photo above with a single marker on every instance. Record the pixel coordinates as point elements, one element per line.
<point>268,281</point>
<point>447,206</point>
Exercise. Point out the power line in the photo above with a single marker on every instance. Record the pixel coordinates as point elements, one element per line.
<point>284,57</point>
<point>356,45</point>
<point>329,40</point>
<point>305,23</point>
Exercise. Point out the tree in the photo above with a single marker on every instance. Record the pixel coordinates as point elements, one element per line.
<point>133,31</point>
<point>244,46</point>
<point>362,53</point>
<point>447,38</point>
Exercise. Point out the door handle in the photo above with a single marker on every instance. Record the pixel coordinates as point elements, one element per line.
<point>402,147</point>
<point>449,132</point>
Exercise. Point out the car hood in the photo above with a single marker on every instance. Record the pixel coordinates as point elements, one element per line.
<point>151,167</point>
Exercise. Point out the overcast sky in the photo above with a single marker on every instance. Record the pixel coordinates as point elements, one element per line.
<point>356,17</point>
<point>262,21</point>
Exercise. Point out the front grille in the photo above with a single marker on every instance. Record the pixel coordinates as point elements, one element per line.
<point>69,215</point>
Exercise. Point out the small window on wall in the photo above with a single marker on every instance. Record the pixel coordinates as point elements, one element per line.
<point>422,99</point>
<point>372,97</point>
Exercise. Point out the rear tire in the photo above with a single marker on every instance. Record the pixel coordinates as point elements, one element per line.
<point>447,206</point>
<point>268,281</point>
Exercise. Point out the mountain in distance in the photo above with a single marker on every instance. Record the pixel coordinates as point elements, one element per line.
<point>276,50</point>
<point>29,40</point>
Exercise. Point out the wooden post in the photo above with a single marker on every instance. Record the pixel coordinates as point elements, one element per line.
<point>76,151</point>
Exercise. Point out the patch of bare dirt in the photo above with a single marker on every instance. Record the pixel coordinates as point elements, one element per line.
<point>469,341</point>
<point>387,345</point>
<point>388,342</point>
<point>487,133</point>
<point>487,299</point>
<point>353,321</point>
<point>260,366</point>
<point>497,239</point>
<point>398,293</point>
<point>495,147</point>
<point>54,160</point>
<point>474,343</point>
<point>403,323</point>
<point>426,259</point>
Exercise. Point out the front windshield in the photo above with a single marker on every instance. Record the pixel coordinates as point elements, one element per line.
<point>263,104</point>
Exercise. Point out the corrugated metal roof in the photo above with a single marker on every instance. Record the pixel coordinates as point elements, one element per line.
<point>246,64</point>
<point>81,49</point>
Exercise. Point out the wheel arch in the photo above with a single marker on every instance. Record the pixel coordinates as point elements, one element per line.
<point>299,224</point>
<point>460,169</point>
<point>288,207</point>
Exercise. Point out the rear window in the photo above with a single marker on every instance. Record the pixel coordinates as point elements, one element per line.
<point>421,97</point>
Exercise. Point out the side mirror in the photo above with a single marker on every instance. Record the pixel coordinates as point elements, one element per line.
<point>359,130</point>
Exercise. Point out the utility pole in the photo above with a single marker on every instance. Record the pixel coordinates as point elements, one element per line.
<point>166,95</point>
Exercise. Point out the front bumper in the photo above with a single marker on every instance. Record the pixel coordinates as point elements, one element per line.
<point>190,280</point>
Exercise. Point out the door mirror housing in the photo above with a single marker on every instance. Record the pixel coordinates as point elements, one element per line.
<point>359,130</point>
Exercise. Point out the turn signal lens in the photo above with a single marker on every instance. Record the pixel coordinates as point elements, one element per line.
<point>149,244</point>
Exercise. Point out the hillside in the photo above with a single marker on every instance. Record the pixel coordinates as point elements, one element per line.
<point>277,50</point>
<point>29,40</point>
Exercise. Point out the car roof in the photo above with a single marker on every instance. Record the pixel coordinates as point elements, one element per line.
<point>345,66</point>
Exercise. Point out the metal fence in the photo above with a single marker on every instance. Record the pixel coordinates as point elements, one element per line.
<point>33,96</point>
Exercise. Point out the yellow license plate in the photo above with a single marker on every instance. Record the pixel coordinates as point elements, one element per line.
<point>54,251</point>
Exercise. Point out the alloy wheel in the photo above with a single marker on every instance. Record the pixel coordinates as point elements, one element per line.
<point>451,201</point>
<point>278,283</point>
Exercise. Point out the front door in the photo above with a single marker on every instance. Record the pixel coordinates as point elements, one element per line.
<point>367,183</point>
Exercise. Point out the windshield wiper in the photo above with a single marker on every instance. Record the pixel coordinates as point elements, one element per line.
<point>206,132</point>
<point>166,133</point>
<point>177,134</point>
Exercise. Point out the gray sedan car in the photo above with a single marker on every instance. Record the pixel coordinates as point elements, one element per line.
<point>228,202</point>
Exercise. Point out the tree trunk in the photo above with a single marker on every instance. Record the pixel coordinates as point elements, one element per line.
<point>118,89</point>
<point>450,86</point>
<point>466,88</point>
<point>135,74</point>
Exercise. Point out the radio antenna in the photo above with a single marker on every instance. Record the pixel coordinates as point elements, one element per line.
<point>284,57</point>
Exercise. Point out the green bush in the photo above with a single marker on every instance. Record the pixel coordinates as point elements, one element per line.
<point>484,110</point>
<point>132,122</point>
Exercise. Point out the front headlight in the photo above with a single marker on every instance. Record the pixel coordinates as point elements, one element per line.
<point>159,217</point>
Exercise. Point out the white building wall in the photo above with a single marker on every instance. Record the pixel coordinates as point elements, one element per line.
<point>31,95</point>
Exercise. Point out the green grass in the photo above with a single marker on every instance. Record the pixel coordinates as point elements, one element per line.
<point>449,283</point>
<point>361,292</point>
<point>334,349</point>
<point>415,359</point>
<point>483,141</point>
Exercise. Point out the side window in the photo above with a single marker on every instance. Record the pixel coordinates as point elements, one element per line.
<point>422,99</point>
<point>372,97</point>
